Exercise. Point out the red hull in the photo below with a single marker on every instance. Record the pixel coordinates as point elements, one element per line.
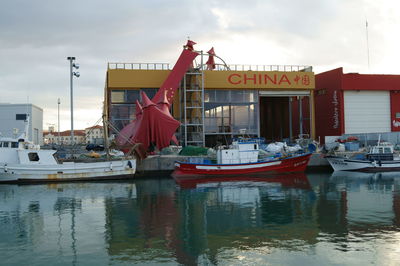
<point>295,180</point>
<point>291,164</point>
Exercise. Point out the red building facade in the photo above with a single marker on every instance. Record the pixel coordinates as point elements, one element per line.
<point>356,103</point>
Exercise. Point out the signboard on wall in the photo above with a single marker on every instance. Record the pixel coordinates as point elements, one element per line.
<point>259,80</point>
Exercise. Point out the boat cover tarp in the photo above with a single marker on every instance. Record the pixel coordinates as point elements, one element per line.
<point>193,151</point>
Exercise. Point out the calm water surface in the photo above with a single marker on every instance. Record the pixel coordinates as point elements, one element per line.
<point>312,219</point>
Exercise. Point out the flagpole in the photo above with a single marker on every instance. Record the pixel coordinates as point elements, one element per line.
<point>366,30</point>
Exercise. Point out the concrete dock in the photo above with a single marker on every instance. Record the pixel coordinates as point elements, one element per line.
<point>157,165</point>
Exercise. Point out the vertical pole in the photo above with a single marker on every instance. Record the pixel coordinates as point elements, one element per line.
<point>202,103</point>
<point>184,108</point>
<point>58,141</point>
<point>72,100</point>
<point>312,115</point>
<point>300,115</point>
<point>290,119</point>
<point>105,133</point>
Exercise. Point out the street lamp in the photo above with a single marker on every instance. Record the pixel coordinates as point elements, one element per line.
<point>72,65</point>
<point>58,102</point>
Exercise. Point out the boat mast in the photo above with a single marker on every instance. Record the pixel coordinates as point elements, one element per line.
<point>105,133</point>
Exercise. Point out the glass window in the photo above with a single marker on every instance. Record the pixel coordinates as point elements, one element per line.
<point>33,157</point>
<point>123,111</point>
<point>244,117</point>
<point>231,111</point>
<point>222,96</point>
<point>132,96</point>
<point>250,96</point>
<point>119,123</point>
<point>117,96</point>
<point>150,92</point>
<point>237,96</point>
<point>14,144</point>
<point>209,96</point>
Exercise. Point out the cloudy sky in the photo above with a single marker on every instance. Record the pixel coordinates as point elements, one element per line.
<point>36,36</point>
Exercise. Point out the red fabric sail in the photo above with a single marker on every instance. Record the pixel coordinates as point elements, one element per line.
<point>164,105</point>
<point>154,126</point>
<point>174,78</point>
<point>154,123</point>
<point>210,62</point>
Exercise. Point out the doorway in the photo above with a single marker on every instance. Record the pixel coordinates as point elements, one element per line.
<point>274,118</point>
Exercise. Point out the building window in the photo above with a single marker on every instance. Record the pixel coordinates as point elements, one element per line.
<point>117,96</point>
<point>20,117</point>
<point>397,115</point>
<point>122,109</point>
<point>231,112</point>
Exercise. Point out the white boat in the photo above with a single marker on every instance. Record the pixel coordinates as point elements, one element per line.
<point>22,161</point>
<point>380,158</point>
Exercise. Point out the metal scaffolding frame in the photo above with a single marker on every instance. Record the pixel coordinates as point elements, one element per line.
<point>192,108</point>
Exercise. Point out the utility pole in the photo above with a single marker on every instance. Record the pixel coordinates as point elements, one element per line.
<point>72,65</point>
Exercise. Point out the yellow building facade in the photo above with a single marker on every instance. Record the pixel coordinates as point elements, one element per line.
<point>214,106</point>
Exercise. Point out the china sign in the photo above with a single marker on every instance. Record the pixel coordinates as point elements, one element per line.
<point>259,79</point>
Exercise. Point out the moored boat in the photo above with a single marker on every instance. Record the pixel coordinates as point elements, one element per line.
<point>21,161</point>
<point>242,158</point>
<point>380,158</point>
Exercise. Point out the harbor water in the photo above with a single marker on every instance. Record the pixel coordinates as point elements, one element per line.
<point>299,219</point>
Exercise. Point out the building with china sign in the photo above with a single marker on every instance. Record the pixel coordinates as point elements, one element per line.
<point>216,104</point>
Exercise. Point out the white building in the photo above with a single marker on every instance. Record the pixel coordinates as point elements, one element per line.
<point>13,117</point>
<point>52,137</point>
<point>94,135</point>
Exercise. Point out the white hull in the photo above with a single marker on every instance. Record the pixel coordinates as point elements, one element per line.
<point>10,172</point>
<point>344,164</point>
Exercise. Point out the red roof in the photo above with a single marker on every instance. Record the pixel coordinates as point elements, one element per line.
<point>93,127</point>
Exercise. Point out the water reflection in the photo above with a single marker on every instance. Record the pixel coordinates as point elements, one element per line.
<point>319,218</point>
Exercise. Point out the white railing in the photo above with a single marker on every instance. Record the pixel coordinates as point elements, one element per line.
<point>136,66</point>
<point>286,68</point>
<point>235,67</point>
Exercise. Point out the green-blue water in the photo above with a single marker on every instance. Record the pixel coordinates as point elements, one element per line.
<point>312,219</point>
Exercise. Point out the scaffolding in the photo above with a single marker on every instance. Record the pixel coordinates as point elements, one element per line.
<point>192,109</point>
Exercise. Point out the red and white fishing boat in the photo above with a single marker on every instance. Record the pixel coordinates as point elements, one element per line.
<point>242,158</point>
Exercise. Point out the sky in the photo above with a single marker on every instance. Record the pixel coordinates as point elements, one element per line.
<point>37,36</point>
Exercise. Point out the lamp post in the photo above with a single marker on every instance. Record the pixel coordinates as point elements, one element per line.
<point>72,65</point>
<point>58,141</point>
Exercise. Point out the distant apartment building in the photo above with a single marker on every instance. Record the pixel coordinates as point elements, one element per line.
<point>88,135</point>
<point>94,135</point>
<point>13,119</point>
<point>52,137</point>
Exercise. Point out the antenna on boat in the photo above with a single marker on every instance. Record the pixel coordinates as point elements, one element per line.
<point>366,30</point>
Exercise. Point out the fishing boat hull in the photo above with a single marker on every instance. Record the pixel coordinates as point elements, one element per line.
<point>67,171</point>
<point>295,180</point>
<point>344,164</point>
<point>290,164</point>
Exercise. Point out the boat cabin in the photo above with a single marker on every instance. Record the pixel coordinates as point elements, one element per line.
<point>241,151</point>
<point>19,151</point>
<point>381,152</point>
